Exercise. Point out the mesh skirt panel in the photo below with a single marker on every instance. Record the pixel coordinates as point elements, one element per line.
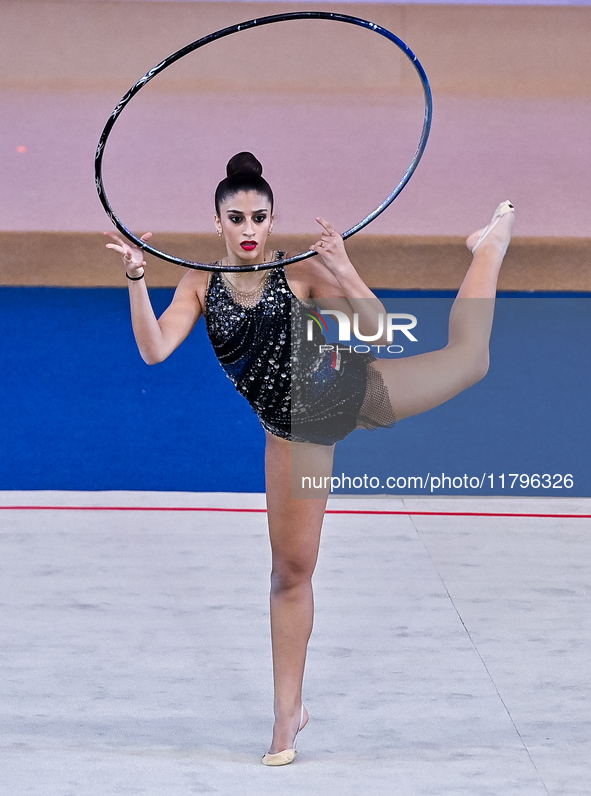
<point>376,410</point>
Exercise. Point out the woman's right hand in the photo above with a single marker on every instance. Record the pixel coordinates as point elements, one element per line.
<point>133,256</point>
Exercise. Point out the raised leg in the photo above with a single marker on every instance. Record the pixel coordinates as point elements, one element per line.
<point>294,530</point>
<point>417,384</point>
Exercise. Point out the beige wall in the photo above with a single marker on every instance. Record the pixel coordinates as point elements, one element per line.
<point>384,261</point>
<point>512,88</point>
<point>479,49</point>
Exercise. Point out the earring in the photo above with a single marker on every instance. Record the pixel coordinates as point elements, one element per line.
<point>219,233</point>
<point>270,230</point>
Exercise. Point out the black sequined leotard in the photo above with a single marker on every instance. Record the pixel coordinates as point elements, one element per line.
<point>298,392</point>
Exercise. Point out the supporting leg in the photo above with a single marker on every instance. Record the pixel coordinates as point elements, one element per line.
<point>294,529</point>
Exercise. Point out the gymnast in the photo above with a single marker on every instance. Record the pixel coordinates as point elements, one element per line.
<point>249,317</point>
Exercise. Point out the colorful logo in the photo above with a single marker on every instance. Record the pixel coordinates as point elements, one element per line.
<point>315,317</point>
<point>387,325</point>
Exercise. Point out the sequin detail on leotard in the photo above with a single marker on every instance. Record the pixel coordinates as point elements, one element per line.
<point>252,345</point>
<point>297,392</point>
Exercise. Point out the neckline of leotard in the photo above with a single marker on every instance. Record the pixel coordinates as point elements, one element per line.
<point>278,255</point>
<point>233,293</point>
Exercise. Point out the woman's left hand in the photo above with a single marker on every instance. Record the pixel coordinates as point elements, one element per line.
<point>331,249</point>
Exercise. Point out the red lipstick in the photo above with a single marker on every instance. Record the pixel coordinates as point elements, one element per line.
<point>249,245</point>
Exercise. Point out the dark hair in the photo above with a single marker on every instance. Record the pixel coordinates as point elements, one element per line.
<point>244,174</point>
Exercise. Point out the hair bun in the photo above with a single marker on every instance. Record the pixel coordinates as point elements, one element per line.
<point>244,163</point>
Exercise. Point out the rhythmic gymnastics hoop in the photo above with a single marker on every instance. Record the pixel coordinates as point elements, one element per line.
<point>219,34</point>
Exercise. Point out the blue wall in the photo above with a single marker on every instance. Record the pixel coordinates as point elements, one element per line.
<point>80,410</point>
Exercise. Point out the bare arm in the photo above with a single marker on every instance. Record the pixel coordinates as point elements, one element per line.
<point>157,338</point>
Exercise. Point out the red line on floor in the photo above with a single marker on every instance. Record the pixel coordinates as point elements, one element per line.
<point>329,511</point>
